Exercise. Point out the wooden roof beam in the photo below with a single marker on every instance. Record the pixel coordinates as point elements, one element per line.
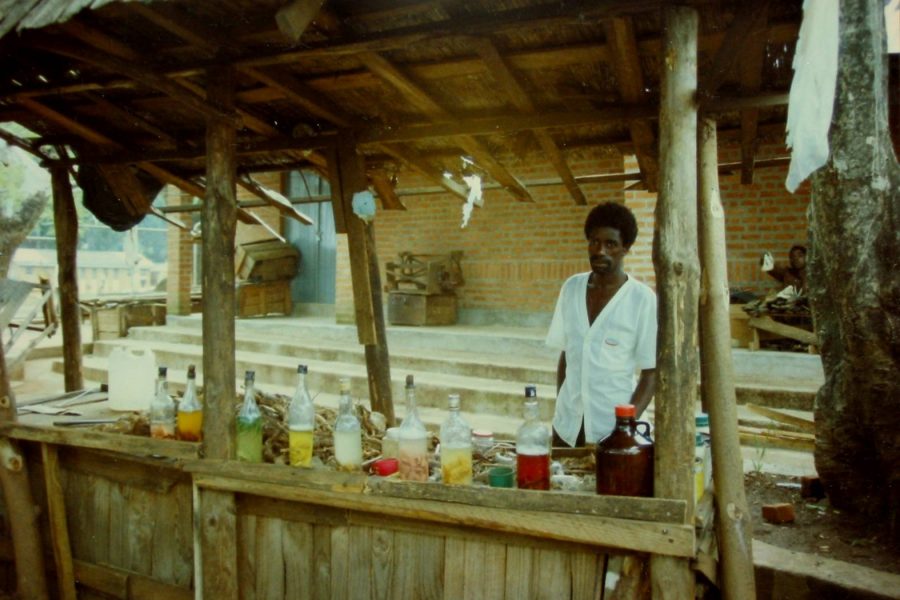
<point>750,66</point>
<point>391,75</point>
<point>424,167</point>
<point>749,21</point>
<point>273,198</point>
<point>503,74</point>
<point>385,190</point>
<point>626,62</point>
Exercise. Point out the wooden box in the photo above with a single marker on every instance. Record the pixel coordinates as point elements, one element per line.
<point>257,299</point>
<point>405,308</point>
<point>267,260</point>
<point>110,322</point>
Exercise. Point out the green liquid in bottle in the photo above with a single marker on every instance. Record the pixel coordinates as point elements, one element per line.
<point>249,440</point>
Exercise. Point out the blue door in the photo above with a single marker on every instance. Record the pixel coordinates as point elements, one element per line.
<point>314,282</point>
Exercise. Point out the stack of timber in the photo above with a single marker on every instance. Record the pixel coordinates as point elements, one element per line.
<point>782,429</point>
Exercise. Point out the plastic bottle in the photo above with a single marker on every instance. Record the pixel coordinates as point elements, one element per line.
<point>625,457</point>
<point>249,425</point>
<point>532,447</point>
<point>413,445</point>
<point>456,446</point>
<point>190,411</point>
<point>347,432</point>
<point>162,409</point>
<point>301,423</point>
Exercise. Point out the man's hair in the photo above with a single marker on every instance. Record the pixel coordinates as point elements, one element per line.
<point>615,216</point>
<point>797,247</point>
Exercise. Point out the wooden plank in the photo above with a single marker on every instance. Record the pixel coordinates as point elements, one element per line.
<point>65,222</point>
<point>678,278</point>
<point>359,557</point>
<point>163,514</point>
<point>322,563</point>
<point>767,323</point>
<point>588,569</point>
<point>385,191</point>
<point>384,559</point>
<point>555,580</point>
<point>218,542</point>
<point>183,537</point>
<point>59,531</point>
<point>776,439</point>
<point>219,222</point>
<point>521,577</point>
<point>750,18</point>
<point>126,444</point>
<point>120,583</point>
<point>140,517</point>
<point>247,555</point>
<point>146,473</point>
<point>297,549</point>
<point>419,561</point>
<point>270,563</point>
<point>626,62</point>
<point>454,567</point>
<point>484,564</point>
<point>806,425</point>
<point>274,199</point>
<point>416,163</point>
<point>643,509</point>
<point>662,538</point>
<point>342,570</point>
<point>750,67</point>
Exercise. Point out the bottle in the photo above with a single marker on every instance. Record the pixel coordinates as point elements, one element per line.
<point>249,425</point>
<point>190,411</point>
<point>413,451</point>
<point>301,423</point>
<point>702,457</point>
<point>456,446</point>
<point>532,447</point>
<point>347,432</point>
<point>162,409</point>
<point>625,457</point>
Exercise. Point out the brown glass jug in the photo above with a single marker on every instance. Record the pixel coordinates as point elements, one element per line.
<point>625,457</point>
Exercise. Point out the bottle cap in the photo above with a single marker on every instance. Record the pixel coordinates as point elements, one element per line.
<point>192,372</point>
<point>345,385</point>
<point>385,466</point>
<point>301,369</point>
<point>625,410</point>
<point>250,375</point>
<point>162,371</point>
<point>701,420</point>
<point>453,400</point>
<point>409,381</point>
<point>531,391</point>
<point>483,433</point>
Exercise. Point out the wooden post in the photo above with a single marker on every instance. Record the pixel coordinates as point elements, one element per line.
<point>217,516</point>
<point>21,509</point>
<point>59,529</point>
<point>348,176</point>
<point>735,530</point>
<point>678,278</point>
<point>65,221</point>
<point>219,216</point>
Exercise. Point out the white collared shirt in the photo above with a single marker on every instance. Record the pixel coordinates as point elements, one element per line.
<point>602,360</point>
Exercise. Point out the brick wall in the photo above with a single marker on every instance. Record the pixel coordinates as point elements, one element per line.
<point>517,254</point>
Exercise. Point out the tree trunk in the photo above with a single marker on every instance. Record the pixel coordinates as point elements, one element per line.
<point>854,281</point>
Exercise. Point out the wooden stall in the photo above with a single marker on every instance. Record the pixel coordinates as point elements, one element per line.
<point>201,95</point>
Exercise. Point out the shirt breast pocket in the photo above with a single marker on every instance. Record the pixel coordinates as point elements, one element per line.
<point>617,349</point>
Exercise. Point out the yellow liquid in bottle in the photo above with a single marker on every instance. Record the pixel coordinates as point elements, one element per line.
<point>300,444</point>
<point>190,426</point>
<point>456,465</point>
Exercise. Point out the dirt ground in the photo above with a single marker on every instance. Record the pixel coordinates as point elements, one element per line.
<point>819,528</point>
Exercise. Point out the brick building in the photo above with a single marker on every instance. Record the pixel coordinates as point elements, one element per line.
<point>517,254</point>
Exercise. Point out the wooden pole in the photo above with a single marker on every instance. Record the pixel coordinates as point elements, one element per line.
<point>678,278</point>
<point>21,509</point>
<point>735,530</point>
<point>65,221</point>
<point>59,528</point>
<point>219,216</point>
<point>348,177</point>
<point>216,512</point>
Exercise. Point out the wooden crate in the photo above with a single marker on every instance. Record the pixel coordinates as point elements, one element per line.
<point>405,308</point>
<point>110,322</point>
<point>257,299</point>
<point>267,260</point>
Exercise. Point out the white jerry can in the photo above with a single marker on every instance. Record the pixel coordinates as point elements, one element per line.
<point>132,378</point>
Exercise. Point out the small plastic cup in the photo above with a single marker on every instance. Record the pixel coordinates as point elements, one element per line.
<point>501,477</point>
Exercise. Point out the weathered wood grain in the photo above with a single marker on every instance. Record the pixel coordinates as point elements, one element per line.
<point>322,563</point>
<point>555,580</point>
<point>270,564</point>
<point>117,442</point>
<point>59,531</point>
<point>341,568</point>
<point>65,222</point>
<point>246,557</point>
<point>454,567</point>
<point>218,542</point>
<point>384,560</point>
<point>297,548</point>
<point>120,583</point>
<point>521,576</point>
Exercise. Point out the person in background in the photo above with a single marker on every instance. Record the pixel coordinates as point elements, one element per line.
<point>791,274</point>
<point>605,327</point>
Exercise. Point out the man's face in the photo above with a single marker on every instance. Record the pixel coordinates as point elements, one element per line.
<point>605,250</point>
<point>797,258</point>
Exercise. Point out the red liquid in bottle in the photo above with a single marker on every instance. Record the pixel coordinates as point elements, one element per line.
<point>533,471</point>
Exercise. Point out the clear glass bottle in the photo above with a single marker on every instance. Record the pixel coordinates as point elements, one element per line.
<point>456,446</point>
<point>162,409</point>
<point>347,432</point>
<point>301,423</point>
<point>249,424</point>
<point>190,411</point>
<point>413,451</point>
<point>532,447</point>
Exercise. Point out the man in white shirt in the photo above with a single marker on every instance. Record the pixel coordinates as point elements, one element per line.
<point>605,326</point>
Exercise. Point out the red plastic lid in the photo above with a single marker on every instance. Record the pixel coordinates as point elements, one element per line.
<point>385,466</point>
<point>624,410</point>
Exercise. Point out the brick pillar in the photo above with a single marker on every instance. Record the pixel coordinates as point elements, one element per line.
<point>180,259</point>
